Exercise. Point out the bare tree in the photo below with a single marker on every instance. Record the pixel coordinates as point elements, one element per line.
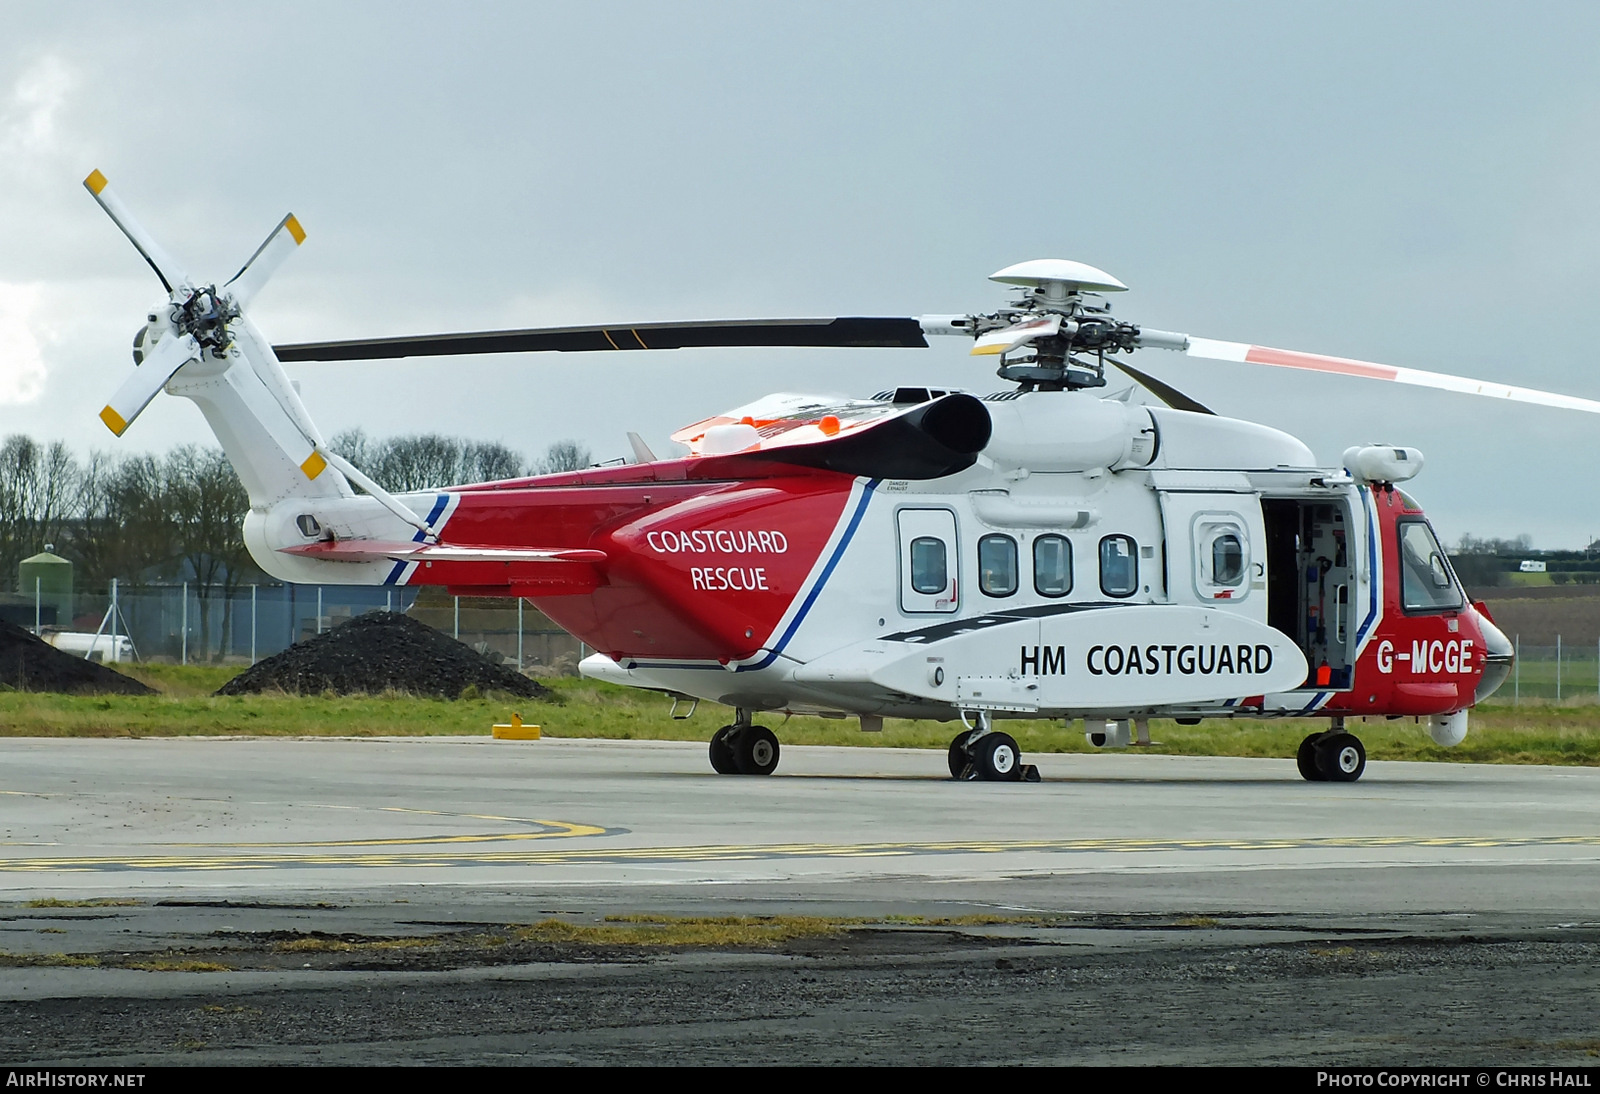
<point>565,456</point>
<point>39,496</point>
<point>207,504</point>
<point>486,461</point>
<point>124,529</point>
<point>427,461</point>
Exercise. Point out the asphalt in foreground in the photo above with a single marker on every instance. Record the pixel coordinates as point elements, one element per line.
<point>1074,989</point>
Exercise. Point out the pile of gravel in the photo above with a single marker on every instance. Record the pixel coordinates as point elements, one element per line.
<point>28,663</point>
<point>381,651</point>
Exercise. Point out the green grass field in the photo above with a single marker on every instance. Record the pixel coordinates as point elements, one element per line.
<point>1533,732</point>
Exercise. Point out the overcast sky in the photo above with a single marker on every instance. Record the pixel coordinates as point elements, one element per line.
<point>1419,186</point>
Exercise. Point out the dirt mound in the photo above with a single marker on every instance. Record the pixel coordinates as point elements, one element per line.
<point>28,663</point>
<point>381,651</point>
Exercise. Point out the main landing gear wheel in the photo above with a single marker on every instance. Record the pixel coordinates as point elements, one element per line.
<point>755,750</point>
<point>722,761</point>
<point>996,758</point>
<point>1306,760</point>
<point>1340,758</point>
<point>960,758</point>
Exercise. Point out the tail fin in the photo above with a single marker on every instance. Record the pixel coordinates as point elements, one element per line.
<point>260,421</point>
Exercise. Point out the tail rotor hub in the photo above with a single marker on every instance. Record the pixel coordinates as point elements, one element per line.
<point>205,314</point>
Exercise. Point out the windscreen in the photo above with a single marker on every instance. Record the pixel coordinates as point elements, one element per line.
<point>1426,583</point>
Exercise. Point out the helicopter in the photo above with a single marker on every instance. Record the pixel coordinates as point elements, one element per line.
<point>1045,552</point>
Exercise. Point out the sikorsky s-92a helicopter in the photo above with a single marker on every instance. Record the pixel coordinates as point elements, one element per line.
<point>1044,552</point>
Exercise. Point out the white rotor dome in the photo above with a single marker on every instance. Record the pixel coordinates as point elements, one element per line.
<point>1039,272</point>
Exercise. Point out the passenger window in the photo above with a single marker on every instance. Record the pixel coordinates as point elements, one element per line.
<point>1052,565</point>
<point>1227,560</point>
<point>1119,566</point>
<point>997,565</point>
<point>929,572</point>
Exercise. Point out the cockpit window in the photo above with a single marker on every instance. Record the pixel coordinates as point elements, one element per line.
<point>1426,583</point>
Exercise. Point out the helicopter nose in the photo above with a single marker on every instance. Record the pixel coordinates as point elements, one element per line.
<point>1501,656</point>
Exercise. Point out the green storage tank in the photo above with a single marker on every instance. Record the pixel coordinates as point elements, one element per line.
<point>50,576</point>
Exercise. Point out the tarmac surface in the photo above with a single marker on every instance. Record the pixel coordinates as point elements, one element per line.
<point>369,901</point>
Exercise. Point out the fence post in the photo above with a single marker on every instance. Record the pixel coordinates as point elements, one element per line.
<point>1558,668</point>
<point>519,634</point>
<point>115,611</point>
<point>319,609</point>
<point>1516,670</point>
<point>388,601</point>
<point>185,594</point>
<point>252,624</point>
<point>457,633</point>
<point>38,602</point>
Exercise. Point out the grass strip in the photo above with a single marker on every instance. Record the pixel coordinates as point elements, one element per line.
<point>1529,733</point>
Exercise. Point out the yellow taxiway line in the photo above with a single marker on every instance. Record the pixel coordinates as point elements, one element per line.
<point>309,858</point>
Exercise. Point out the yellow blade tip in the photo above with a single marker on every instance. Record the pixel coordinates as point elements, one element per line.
<point>985,351</point>
<point>314,464</point>
<point>95,182</point>
<point>295,230</point>
<point>114,421</point>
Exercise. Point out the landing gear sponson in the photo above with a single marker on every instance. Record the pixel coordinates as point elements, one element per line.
<point>1332,756</point>
<point>744,748</point>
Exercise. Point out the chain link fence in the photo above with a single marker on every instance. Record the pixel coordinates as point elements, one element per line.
<point>1559,672</point>
<point>173,623</point>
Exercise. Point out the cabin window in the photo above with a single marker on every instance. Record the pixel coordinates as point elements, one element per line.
<point>1119,566</point>
<point>1052,565</point>
<point>930,572</point>
<point>997,565</point>
<point>1227,560</point>
<point>1426,583</point>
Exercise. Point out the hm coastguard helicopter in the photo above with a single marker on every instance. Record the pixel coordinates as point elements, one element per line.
<point>1044,552</point>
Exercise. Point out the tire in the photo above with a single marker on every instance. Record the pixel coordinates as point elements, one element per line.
<point>1306,760</point>
<point>996,758</point>
<point>1341,758</point>
<point>722,761</point>
<point>960,758</point>
<point>755,750</point>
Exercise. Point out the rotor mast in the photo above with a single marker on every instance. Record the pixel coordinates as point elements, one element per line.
<point>1056,335</point>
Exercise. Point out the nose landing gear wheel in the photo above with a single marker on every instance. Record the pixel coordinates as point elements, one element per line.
<point>1340,758</point>
<point>722,760</point>
<point>755,750</point>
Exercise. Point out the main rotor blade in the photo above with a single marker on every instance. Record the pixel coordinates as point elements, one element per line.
<point>165,266</point>
<point>849,331</point>
<point>283,242</point>
<point>1343,366</point>
<point>147,378</point>
<point>1168,394</point>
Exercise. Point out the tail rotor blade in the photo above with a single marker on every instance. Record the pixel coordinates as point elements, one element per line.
<point>170,354</point>
<point>166,267</point>
<point>1372,370</point>
<point>283,242</point>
